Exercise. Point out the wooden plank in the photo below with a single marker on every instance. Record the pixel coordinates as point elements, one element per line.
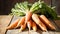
<point>16,31</point>
<point>57,22</point>
<point>4,21</point>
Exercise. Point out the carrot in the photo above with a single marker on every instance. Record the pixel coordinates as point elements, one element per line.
<point>29,24</point>
<point>28,16</point>
<point>38,22</point>
<point>47,22</point>
<point>22,20</point>
<point>23,26</point>
<point>13,25</point>
<point>34,26</point>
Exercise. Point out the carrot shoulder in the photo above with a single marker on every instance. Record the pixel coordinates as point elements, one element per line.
<point>13,25</point>
<point>47,22</point>
<point>38,22</point>
<point>28,16</point>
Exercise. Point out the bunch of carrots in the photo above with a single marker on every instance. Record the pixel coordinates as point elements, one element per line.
<point>31,18</point>
<point>32,21</point>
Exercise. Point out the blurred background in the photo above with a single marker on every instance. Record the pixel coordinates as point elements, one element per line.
<point>6,5</point>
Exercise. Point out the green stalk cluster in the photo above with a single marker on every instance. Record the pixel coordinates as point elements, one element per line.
<point>20,9</point>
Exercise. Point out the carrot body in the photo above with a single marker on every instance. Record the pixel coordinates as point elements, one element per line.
<point>47,22</point>
<point>38,22</point>
<point>29,24</point>
<point>34,26</point>
<point>23,26</point>
<point>28,16</point>
<point>21,22</point>
<point>13,25</point>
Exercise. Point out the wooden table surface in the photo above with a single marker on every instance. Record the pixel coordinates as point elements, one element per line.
<point>5,20</point>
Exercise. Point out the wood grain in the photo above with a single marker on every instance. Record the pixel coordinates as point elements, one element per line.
<point>57,23</point>
<point>4,21</point>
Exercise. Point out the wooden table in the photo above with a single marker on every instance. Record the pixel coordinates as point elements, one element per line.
<point>6,20</point>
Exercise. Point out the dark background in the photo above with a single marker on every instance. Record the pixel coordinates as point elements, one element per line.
<point>6,5</point>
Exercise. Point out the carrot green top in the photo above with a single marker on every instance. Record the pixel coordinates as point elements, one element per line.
<point>39,7</point>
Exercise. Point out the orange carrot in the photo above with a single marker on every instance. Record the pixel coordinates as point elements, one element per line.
<point>47,22</point>
<point>38,22</point>
<point>34,26</point>
<point>29,24</point>
<point>13,25</point>
<point>22,20</point>
<point>28,16</point>
<point>23,26</point>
